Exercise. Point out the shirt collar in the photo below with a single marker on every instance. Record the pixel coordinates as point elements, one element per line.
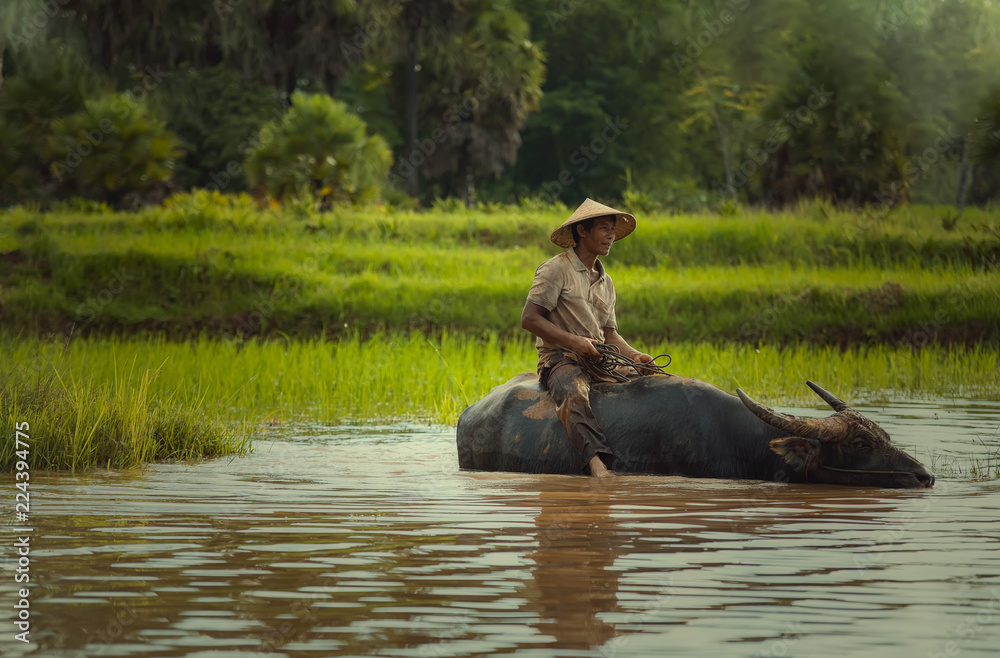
<point>579,266</point>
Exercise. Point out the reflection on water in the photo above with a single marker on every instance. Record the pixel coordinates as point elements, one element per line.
<point>370,541</point>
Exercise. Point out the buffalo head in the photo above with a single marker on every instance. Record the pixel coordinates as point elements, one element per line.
<point>845,448</point>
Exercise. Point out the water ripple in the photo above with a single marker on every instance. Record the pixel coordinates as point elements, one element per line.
<point>370,541</point>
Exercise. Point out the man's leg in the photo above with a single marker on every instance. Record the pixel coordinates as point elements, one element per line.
<point>569,385</point>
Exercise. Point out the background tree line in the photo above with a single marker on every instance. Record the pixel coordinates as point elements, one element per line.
<point>668,104</point>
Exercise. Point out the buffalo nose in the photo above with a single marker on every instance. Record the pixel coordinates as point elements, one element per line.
<point>925,479</point>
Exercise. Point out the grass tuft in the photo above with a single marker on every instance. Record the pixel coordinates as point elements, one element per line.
<point>81,422</point>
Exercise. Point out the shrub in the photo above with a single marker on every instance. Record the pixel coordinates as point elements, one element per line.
<point>202,208</point>
<point>114,151</point>
<point>49,83</point>
<point>320,148</point>
<point>45,84</point>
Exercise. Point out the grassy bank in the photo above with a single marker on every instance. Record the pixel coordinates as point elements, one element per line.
<point>809,236</point>
<point>232,271</point>
<point>183,331</point>
<point>118,419</point>
<point>123,398</point>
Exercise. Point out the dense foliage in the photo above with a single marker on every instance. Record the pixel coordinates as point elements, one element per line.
<point>665,104</point>
<point>112,151</point>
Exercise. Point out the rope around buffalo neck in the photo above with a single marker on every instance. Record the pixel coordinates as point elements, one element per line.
<point>612,358</point>
<point>865,470</point>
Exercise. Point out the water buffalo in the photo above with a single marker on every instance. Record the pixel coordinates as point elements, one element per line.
<point>678,426</point>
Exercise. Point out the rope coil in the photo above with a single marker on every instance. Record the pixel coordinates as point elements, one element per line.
<point>612,358</point>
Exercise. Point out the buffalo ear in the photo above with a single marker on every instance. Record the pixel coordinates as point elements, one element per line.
<point>796,451</point>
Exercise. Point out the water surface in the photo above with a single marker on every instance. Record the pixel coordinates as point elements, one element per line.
<point>368,540</point>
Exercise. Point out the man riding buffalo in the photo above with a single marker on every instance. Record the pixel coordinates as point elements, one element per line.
<point>669,425</point>
<point>570,307</point>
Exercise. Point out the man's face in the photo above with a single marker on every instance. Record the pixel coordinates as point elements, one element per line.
<point>599,238</point>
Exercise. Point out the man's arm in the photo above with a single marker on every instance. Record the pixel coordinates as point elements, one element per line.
<point>535,318</point>
<point>612,337</point>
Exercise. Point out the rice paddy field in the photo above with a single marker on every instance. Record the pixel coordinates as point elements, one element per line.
<point>215,320</point>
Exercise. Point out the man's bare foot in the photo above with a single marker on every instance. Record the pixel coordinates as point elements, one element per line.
<point>598,469</point>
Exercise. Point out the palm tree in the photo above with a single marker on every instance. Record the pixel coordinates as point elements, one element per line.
<point>482,82</point>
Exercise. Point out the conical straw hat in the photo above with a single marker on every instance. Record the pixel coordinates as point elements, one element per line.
<point>563,236</point>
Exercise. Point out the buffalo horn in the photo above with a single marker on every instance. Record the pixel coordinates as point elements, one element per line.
<point>808,428</point>
<point>828,397</point>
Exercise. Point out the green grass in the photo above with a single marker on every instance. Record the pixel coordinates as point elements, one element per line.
<point>911,236</point>
<point>79,420</point>
<point>386,377</point>
<point>976,469</point>
<point>783,279</point>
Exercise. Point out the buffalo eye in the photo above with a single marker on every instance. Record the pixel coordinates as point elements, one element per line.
<point>861,445</point>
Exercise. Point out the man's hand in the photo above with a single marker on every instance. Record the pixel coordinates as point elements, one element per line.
<point>535,319</point>
<point>584,347</point>
<point>642,357</point>
<point>612,337</point>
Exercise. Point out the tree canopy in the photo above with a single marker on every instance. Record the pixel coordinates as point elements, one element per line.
<point>670,103</point>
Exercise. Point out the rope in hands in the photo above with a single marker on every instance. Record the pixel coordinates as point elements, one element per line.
<point>611,358</point>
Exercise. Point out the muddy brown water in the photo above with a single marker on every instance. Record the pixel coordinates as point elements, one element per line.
<point>368,540</point>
